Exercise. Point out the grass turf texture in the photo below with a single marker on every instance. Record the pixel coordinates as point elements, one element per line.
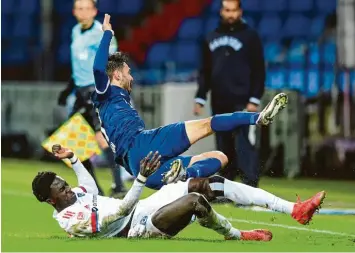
<point>27,225</point>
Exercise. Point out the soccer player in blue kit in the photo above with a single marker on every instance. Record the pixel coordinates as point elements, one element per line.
<point>125,131</point>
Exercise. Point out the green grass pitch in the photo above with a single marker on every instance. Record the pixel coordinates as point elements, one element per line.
<point>28,225</point>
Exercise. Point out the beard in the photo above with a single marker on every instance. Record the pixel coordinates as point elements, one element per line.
<point>127,85</point>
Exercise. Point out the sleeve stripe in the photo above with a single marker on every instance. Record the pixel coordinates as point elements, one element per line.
<point>83,188</point>
<point>107,85</point>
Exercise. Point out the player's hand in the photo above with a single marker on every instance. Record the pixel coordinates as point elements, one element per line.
<point>198,109</point>
<point>252,107</point>
<point>149,164</point>
<point>106,26</point>
<point>61,152</point>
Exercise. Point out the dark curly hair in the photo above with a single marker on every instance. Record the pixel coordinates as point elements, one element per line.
<point>115,61</point>
<point>41,185</point>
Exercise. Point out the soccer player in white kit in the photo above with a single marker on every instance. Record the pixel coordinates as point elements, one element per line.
<point>81,212</point>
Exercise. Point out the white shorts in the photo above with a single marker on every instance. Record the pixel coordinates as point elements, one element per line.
<point>142,225</point>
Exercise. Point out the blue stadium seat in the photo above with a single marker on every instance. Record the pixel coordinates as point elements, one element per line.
<point>187,53</point>
<point>152,76</point>
<point>296,80</point>
<point>63,6</point>
<point>23,26</point>
<point>296,52</point>
<point>273,5</point>
<point>329,53</point>
<point>313,54</point>
<point>133,7</point>
<point>296,25</point>
<point>313,83</point>
<point>276,78</point>
<point>251,5</point>
<point>249,20</point>
<point>190,29</point>
<point>28,6</point>
<point>107,6</point>
<point>272,50</point>
<point>326,6</point>
<point>300,5</point>
<point>317,26</point>
<point>5,26</point>
<point>270,26</point>
<point>66,28</point>
<point>328,80</point>
<point>7,7</point>
<point>158,54</point>
<point>215,6</point>
<point>17,54</point>
<point>211,24</point>
<point>63,54</point>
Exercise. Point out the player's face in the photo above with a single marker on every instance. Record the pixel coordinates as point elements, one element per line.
<point>61,193</point>
<point>85,12</point>
<point>127,79</point>
<point>231,12</point>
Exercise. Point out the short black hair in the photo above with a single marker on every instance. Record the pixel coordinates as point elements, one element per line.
<point>41,185</point>
<point>115,61</point>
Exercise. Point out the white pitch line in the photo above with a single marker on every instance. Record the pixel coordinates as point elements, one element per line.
<point>291,227</point>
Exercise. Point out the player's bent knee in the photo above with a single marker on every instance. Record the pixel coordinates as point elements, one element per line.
<point>199,204</point>
<point>202,186</point>
<point>221,157</point>
<point>211,154</point>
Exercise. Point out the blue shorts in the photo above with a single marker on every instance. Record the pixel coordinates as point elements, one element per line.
<point>170,141</point>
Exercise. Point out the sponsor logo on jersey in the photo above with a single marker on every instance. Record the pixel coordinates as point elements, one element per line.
<point>68,214</point>
<point>80,216</point>
<point>81,194</point>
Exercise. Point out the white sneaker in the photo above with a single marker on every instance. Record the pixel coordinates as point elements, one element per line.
<point>176,173</point>
<point>268,114</point>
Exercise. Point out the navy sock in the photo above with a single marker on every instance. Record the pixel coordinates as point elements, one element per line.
<point>204,168</point>
<point>230,121</point>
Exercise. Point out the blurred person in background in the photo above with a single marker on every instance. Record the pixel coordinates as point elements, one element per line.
<point>86,37</point>
<point>233,69</point>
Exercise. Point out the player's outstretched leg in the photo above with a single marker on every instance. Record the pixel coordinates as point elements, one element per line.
<point>199,129</point>
<point>174,217</point>
<point>203,165</point>
<point>216,187</point>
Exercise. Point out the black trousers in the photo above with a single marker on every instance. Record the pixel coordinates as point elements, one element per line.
<point>242,155</point>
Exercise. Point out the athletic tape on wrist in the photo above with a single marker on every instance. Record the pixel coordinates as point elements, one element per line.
<point>74,159</point>
<point>141,179</point>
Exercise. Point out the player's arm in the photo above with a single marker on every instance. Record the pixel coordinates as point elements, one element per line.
<point>85,180</point>
<point>102,81</point>
<point>148,166</point>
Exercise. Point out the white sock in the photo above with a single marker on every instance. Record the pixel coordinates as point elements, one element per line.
<point>247,195</point>
<point>219,224</point>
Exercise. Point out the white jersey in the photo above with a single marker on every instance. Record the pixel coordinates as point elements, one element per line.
<point>109,216</point>
<point>80,220</point>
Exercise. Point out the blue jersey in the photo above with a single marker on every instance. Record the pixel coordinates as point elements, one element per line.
<point>83,50</point>
<point>120,122</point>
